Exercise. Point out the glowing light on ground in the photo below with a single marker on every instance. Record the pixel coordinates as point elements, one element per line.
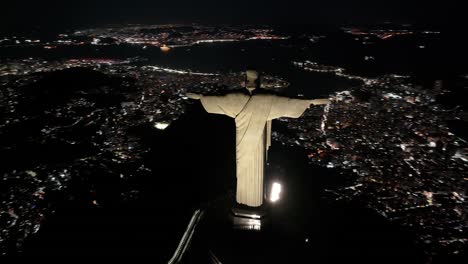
<point>161,125</point>
<point>275,192</point>
<point>164,48</point>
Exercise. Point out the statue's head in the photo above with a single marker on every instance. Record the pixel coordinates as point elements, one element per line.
<point>251,80</point>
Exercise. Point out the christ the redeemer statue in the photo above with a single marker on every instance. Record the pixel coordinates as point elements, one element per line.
<point>253,114</point>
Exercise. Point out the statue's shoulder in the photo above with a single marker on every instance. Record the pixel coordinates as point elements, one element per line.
<point>265,96</point>
<point>238,94</point>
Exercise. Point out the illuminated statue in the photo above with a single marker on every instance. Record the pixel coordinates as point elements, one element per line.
<point>253,114</point>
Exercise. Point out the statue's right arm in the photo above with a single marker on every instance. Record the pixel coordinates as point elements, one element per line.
<point>320,101</point>
<point>194,96</point>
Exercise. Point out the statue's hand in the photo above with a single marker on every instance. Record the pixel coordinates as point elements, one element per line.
<point>320,101</point>
<point>194,96</point>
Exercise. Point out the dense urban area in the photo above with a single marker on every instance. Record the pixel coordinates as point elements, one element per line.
<point>394,137</point>
<point>388,138</point>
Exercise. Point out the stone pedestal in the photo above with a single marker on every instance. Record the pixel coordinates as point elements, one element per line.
<point>248,218</point>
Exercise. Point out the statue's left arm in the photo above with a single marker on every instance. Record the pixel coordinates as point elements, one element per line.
<point>291,107</point>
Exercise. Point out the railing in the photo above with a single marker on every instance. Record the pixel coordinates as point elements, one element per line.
<point>186,238</point>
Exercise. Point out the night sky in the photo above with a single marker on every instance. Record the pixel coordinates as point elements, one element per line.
<point>50,13</point>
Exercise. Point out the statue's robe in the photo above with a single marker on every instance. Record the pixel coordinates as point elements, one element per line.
<point>253,115</point>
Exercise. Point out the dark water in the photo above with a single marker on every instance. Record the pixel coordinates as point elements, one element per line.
<point>439,59</point>
<point>274,58</point>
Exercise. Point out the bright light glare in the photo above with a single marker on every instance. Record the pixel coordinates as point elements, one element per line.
<point>161,125</point>
<point>275,192</point>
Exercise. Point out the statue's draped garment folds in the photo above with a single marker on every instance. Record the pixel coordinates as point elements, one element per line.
<point>253,115</point>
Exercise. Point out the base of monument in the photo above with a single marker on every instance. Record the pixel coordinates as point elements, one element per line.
<point>248,218</point>
<point>248,212</point>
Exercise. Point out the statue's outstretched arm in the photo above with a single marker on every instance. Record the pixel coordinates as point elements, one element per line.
<point>320,101</point>
<point>194,96</point>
